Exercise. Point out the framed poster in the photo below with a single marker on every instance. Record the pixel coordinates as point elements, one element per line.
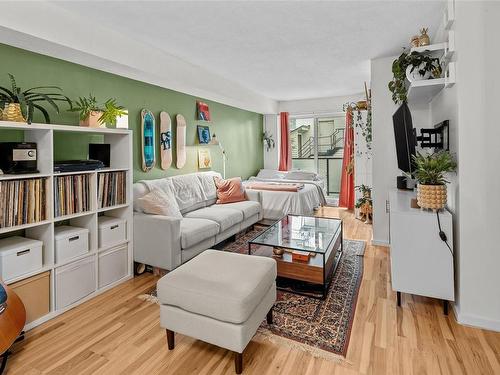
<point>204,159</point>
<point>204,134</point>
<point>203,111</point>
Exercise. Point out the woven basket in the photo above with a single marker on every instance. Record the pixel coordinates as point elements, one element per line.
<point>431,196</point>
<point>12,112</point>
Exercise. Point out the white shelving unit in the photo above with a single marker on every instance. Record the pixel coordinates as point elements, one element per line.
<point>120,141</point>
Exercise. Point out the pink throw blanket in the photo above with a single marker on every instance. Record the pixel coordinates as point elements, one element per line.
<point>274,186</point>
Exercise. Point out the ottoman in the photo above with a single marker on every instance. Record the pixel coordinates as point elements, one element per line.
<point>220,298</point>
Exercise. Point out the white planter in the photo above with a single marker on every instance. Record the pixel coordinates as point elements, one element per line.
<point>122,121</point>
<point>415,75</point>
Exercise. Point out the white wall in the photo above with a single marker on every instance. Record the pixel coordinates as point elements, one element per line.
<point>478,95</point>
<point>320,105</point>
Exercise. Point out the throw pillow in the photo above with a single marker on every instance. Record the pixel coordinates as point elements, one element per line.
<point>160,202</point>
<point>230,190</point>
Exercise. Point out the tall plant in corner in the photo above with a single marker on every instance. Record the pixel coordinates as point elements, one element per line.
<point>430,171</point>
<point>19,105</point>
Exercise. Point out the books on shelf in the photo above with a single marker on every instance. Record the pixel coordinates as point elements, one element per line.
<point>111,189</point>
<point>71,194</point>
<point>22,201</point>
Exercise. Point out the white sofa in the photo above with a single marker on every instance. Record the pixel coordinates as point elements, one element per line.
<point>167,242</point>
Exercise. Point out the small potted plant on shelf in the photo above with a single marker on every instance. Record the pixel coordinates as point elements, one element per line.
<point>430,170</point>
<point>364,203</point>
<point>92,115</point>
<point>19,105</point>
<point>414,66</point>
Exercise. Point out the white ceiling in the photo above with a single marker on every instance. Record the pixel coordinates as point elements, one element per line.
<point>280,50</point>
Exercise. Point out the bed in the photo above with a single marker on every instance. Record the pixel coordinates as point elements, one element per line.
<point>276,204</point>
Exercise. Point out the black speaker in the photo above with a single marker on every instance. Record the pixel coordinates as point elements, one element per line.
<point>101,152</point>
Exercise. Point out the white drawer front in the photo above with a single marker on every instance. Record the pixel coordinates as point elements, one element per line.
<point>72,246</point>
<point>112,235</point>
<point>113,265</point>
<point>75,281</point>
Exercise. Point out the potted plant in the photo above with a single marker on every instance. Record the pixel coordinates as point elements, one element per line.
<point>93,115</point>
<point>364,203</point>
<point>19,105</point>
<point>430,170</point>
<point>412,66</point>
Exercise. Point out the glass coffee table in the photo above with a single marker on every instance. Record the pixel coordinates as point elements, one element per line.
<point>307,250</point>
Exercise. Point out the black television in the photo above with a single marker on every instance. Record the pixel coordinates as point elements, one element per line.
<point>405,138</point>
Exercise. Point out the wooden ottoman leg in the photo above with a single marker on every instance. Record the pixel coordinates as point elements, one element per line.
<point>170,339</point>
<point>238,362</point>
<point>269,316</point>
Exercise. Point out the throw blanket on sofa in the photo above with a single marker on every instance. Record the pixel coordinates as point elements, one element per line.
<point>274,186</point>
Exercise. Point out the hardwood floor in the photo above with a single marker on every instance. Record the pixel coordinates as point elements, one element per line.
<point>116,333</point>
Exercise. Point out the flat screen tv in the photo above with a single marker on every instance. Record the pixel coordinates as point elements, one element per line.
<point>405,138</point>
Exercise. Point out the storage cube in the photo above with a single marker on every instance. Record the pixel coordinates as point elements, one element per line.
<point>18,256</point>
<point>70,242</point>
<point>75,281</point>
<point>113,265</point>
<point>111,231</point>
<point>34,292</point>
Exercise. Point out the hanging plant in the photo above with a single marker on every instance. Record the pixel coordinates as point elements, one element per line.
<point>426,66</point>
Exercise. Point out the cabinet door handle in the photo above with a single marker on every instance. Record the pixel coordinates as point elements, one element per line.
<point>114,226</point>
<point>24,252</point>
<point>74,238</point>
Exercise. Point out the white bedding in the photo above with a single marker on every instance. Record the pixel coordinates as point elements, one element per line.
<point>276,204</point>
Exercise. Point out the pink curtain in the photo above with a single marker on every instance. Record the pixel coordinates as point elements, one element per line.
<point>346,198</point>
<point>285,147</point>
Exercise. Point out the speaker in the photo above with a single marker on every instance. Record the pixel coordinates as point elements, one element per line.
<point>101,152</point>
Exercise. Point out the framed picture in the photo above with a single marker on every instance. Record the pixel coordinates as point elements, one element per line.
<point>204,159</point>
<point>203,111</point>
<point>204,134</point>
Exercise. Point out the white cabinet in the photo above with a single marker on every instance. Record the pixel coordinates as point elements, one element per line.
<point>75,281</point>
<point>421,263</point>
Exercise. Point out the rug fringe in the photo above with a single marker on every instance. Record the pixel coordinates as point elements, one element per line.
<point>265,334</point>
<point>149,298</point>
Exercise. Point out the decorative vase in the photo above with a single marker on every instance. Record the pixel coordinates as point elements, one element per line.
<point>431,196</point>
<point>424,39</point>
<point>92,121</point>
<point>415,75</point>
<point>12,112</point>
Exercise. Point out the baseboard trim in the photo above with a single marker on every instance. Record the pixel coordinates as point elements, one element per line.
<point>476,321</point>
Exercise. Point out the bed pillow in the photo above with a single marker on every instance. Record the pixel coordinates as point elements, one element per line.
<point>230,190</point>
<point>160,202</point>
<point>271,174</point>
<point>301,175</point>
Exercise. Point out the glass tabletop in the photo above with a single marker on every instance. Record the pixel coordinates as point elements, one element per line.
<point>303,233</point>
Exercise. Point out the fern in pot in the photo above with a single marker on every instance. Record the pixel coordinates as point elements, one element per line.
<point>94,115</point>
<point>430,171</point>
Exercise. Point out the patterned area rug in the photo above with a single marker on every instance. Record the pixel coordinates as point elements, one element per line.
<point>320,327</point>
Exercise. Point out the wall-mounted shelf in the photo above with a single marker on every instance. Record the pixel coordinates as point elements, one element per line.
<point>120,141</point>
<point>426,90</point>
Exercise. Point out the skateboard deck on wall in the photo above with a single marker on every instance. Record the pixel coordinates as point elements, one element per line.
<point>148,140</point>
<point>165,140</point>
<point>181,141</point>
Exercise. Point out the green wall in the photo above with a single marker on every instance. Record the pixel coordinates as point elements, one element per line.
<point>238,130</point>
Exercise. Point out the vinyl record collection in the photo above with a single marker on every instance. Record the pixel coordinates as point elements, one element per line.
<point>111,189</point>
<point>71,194</point>
<point>22,202</point>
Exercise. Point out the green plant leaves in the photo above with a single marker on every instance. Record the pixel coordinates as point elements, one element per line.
<point>430,169</point>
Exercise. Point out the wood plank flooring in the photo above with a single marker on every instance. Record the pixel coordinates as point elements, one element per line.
<point>116,333</point>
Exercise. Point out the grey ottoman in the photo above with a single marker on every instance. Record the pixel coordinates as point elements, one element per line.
<point>220,298</point>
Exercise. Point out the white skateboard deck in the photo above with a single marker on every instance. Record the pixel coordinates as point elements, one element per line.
<point>181,141</point>
<point>165,140</point>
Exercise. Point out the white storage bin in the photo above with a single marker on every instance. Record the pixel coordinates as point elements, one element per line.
<point>70,242</point>
<point>75,281</point>
<point>111,231</point>
<point>18,256</point>
<point>113,265</point>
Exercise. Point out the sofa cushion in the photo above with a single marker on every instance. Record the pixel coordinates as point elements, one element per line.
<point>221,285</point>
<point>159,202</point>
<point>248,208</point>
<point>225,217</point>
<point>194,231</point>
